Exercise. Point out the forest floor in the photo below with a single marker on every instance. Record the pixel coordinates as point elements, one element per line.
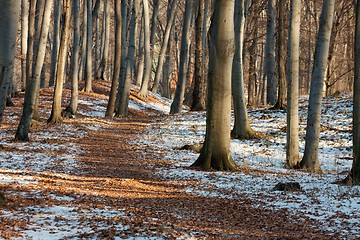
<point>97,178</point>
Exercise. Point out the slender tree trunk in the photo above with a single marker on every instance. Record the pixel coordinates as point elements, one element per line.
<point>184,60</point>
<point>56,40</point>
<point>310,160</point>
<point>147,51</point>
<point>24,39</point>
<point>253,72</point>
<point>124,95</point>
<point>281,56</point>
<point>71,109</point>
<point>83,42</point>
<point>9,17</point>
<point>242,129</point>
<point>89,41</point>
<point>270,53</point>
<point>198,103</point>
<point>116,73</point>
<point>292,136</point>
<point>155,14</point>
<point>354,176</point>
<point>105,56</point>
<point>215,153</point>
<point>55,116</point>
<point>162,55</point>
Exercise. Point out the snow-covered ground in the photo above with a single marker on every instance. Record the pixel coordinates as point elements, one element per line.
<point>336,207</point>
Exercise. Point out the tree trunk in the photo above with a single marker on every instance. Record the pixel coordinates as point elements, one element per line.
<point>184,60</point>
<point>242,129</point>
<point>24,39</point>
<point>281,56</point>
<point>310,160</point>
<point>55,116</point>
<point>215,154</point>
<point>116,73</point>
<point>89,41</point>
<point>253,72</point>
<point>198,103</point>
<point>292,135</point>
<point>270,53</point>
<point>124,95</point>
<point>105,56</point>
<point>147,51</point>
<point>162,55</point>
<point>9,16</point>
<point>71,109</point>
<point>354,176</point>
<point>56,40</point>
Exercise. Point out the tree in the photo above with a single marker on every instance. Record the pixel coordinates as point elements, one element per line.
<point>242,129</point>
<point>270,53</point>
<point>198,103</point>
<point>55,116</point>
<point>24,39</point>
<point>292,136</point>
<point>354,175</point>
<point>116,72</point>
<point>56,40</point>
<point>215,153</point>
<point>71,109</point>
<point>310,160</point>
<point>9,16</point>
<point>33,76</point>
<point>281,56</point>
<point>184,59</point>
<point>105,56</point>
<point>165,43</point>
<point>89,42</point>
<point>147,51</point>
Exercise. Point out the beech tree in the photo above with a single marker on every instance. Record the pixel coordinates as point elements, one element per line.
<point>310,159</point>
<point>9,16</point>
<point>215,153</point>
<point>270,53</point>
<point>292,136</point>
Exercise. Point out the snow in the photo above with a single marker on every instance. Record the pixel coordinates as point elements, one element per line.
<point>336,207</point>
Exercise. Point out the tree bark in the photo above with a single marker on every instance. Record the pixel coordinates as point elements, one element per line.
<point>292,135</point>
<point>310,161</point>
<point>56,41</point>
<point>24,39</point>
<point>176,105</point>
<point>270,53</point>
<point>89,41</point>
<point>55,116</point>
<point>215,154</point>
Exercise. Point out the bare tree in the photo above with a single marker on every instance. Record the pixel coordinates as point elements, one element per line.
<point>215,153</point>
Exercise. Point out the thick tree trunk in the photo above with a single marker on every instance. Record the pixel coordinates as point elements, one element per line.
<point>215,153</point>
<point>242,129</point>
<point>9,16</point>
<point>71,109</point>
<point>292,136</point>
<point>176,105</point>
<point>116,73</point>
<point>310,160</point>
<point>162,55</point>
<point>55,116</point>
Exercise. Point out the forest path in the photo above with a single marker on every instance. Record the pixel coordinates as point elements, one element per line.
<point>124,179</point>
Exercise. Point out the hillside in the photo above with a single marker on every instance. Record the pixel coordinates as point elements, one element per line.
<point>124,178</point>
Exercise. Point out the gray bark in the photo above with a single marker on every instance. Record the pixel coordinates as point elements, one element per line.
<point>215,154</point>
<point>270,53</point>
<point>176,105</point>
<point>166,37</point>
<point>310,160</point>
<point>292,136</point>
<point>242,129</point>
<point>56,41</point>
<point>105,56</point>
<point>24,39</point>
<point>55,116</point>
<point>89,41</point>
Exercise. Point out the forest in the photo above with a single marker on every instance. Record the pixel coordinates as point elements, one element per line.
<point>167,119</point>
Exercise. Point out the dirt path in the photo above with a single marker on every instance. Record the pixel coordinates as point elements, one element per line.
<point>122,179</point>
